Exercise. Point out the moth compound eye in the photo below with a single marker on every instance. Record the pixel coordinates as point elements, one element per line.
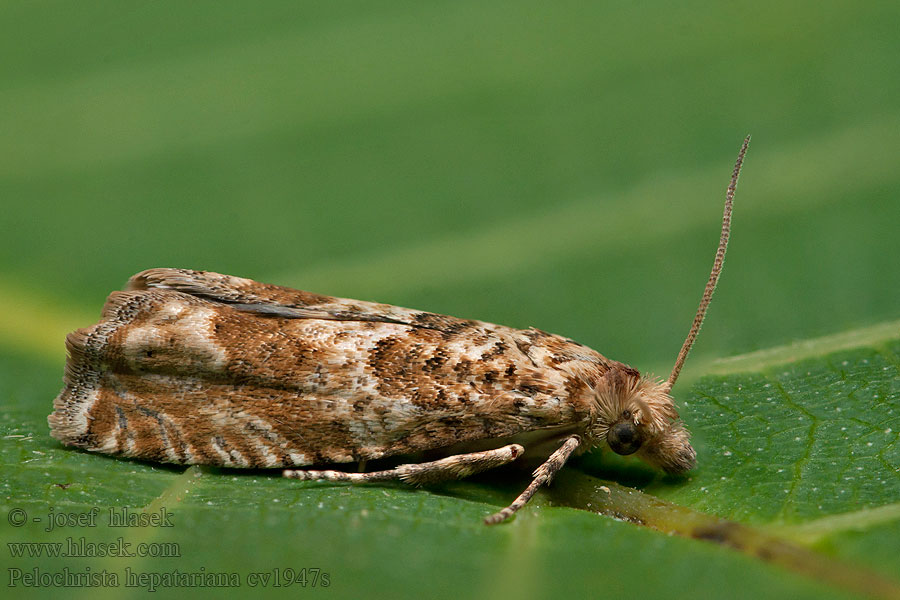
<point>624,438</point>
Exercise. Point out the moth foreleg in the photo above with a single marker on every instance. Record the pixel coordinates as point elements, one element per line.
<point>457,466</point>
<point>543,474</point>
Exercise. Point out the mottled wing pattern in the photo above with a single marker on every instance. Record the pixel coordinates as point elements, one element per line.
<point>252,296</point>
<point>201,368</point>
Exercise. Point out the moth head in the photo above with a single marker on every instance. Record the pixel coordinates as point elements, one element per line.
<point>636,415</point>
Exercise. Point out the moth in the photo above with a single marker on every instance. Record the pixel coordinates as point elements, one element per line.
<point>194,367</point>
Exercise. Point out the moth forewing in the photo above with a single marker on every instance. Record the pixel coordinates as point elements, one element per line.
<point>194,367</point>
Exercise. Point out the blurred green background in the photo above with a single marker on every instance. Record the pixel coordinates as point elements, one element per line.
<point>559,165</point>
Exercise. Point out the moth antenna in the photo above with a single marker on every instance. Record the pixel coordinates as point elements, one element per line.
<point>716,270</point>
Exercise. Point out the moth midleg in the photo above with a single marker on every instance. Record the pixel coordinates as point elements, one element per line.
<point>542,475</point>
<point>457,466</point>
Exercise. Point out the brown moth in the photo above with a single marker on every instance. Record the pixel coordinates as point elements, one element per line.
<point>193,367</point>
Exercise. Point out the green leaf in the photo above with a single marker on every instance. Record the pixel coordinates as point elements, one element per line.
<point>803,453</point>
<point>810,439</point>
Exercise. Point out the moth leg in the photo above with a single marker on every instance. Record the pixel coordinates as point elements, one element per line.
<point>543,474</point>
<point>457,466</point>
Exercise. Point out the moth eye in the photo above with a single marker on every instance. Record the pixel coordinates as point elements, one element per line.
<point>624,438</point>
